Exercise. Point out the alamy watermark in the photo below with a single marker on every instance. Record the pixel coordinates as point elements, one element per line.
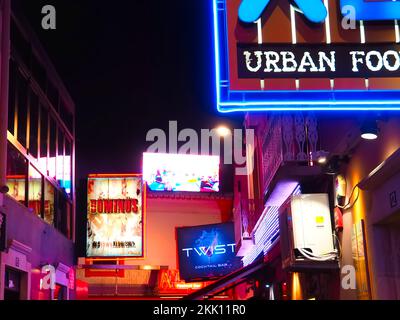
<point>237,147</point>
<point>49,18</point>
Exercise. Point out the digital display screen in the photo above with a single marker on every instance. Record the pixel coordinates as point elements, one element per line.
<point>115,217</point>
<point>207,252</point>
<point>181,172</point>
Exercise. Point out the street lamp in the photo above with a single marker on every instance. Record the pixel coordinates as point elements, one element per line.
<point>223,131</point>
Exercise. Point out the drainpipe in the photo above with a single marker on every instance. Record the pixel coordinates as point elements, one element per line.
<point>4,74</point>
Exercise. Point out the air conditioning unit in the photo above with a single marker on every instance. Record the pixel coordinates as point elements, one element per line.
<point>307,236</point>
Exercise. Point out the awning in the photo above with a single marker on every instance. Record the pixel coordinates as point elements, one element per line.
<point>227,281</point>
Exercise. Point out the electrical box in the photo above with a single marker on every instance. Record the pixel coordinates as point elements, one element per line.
<point>307,240</point>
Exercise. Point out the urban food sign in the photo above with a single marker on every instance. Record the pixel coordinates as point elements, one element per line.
<point>115,216</point>
<point>2,231</point>
<point>307,55</point>
<point>315,61</point>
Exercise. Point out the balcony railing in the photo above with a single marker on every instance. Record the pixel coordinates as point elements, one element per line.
<point>287,139</point>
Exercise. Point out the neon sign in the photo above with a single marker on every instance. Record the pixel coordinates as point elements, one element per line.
<point>373,10</point>
<point>251,10</point>
<point>306,66</point>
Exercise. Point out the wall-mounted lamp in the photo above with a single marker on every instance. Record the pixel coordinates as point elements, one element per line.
<point>320,157</point>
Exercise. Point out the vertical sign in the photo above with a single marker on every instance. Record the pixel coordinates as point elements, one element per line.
<point>115,216</point>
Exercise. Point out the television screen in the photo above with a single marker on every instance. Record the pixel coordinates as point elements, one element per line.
<point>181,172</point>
<point>206,252</point>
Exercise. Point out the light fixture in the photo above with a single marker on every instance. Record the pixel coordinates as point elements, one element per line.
<point>223,131</point>
<point>369,130</point>
<point>320,156</point>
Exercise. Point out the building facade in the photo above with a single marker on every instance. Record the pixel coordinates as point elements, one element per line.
<point>37,150</point>
<point>303,154</point>
<point>156,274</point>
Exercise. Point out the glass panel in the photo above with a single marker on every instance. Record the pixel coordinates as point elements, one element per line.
<point>52,149</point>
<point>35,191</point>
<point>17,168</point>
<point>67,167</point>
<point>49,194</point>
<point>11,98</point>
<point>34,125</point>
<point>20,45</point>
<point>39,73</point>
<point>52,95</point>
<point>22,101</point>
<point>60,159</point>
<point>43,138</point>
<point>66,116</point>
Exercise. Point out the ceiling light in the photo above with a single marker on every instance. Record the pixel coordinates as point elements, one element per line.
<point>369,130</point>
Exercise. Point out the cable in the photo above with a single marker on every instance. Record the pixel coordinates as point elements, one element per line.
<point>339,244</point>
<point>349,205</point>
<point>309,255</point>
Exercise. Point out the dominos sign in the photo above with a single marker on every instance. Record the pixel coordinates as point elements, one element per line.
<point>277,55</point>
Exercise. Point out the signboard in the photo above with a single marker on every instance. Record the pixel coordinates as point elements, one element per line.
<point>307,55</point>
<point>206,252</point>
<point>115,216</point>
<point>170,282</point>
<point>181,172</point>
<point>2,231</point>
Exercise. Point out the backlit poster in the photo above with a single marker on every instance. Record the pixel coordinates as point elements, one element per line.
<point>115,216</point>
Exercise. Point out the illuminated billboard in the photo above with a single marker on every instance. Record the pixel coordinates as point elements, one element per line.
<point>115,216</point>
<point>181,172</point>
<point>206,252</point>
<point>307,55</point>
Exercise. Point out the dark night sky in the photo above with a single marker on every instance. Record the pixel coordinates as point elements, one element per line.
<point>131,66</point>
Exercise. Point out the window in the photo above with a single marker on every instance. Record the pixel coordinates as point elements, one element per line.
<point>33,125</point>
<point>22,109</point>
<point>39,73</point>
<point>66,116</point>
<point>52,148</point>
<point>12,285</point>
<point>49,195</point>
<point>11,97</point>
<point>60,159</point>
<point>43,138</point>
<point>20,45</point>
<point>68,166</point>
<point>17,168</point>
<point>35,191</point>
<point>52,95</point>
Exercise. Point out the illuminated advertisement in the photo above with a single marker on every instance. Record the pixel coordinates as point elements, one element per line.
<point>170,282</point>
<point>115,216</point>
<point>206,252</point>
<point>181,172</point>
<point>307,55</point>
